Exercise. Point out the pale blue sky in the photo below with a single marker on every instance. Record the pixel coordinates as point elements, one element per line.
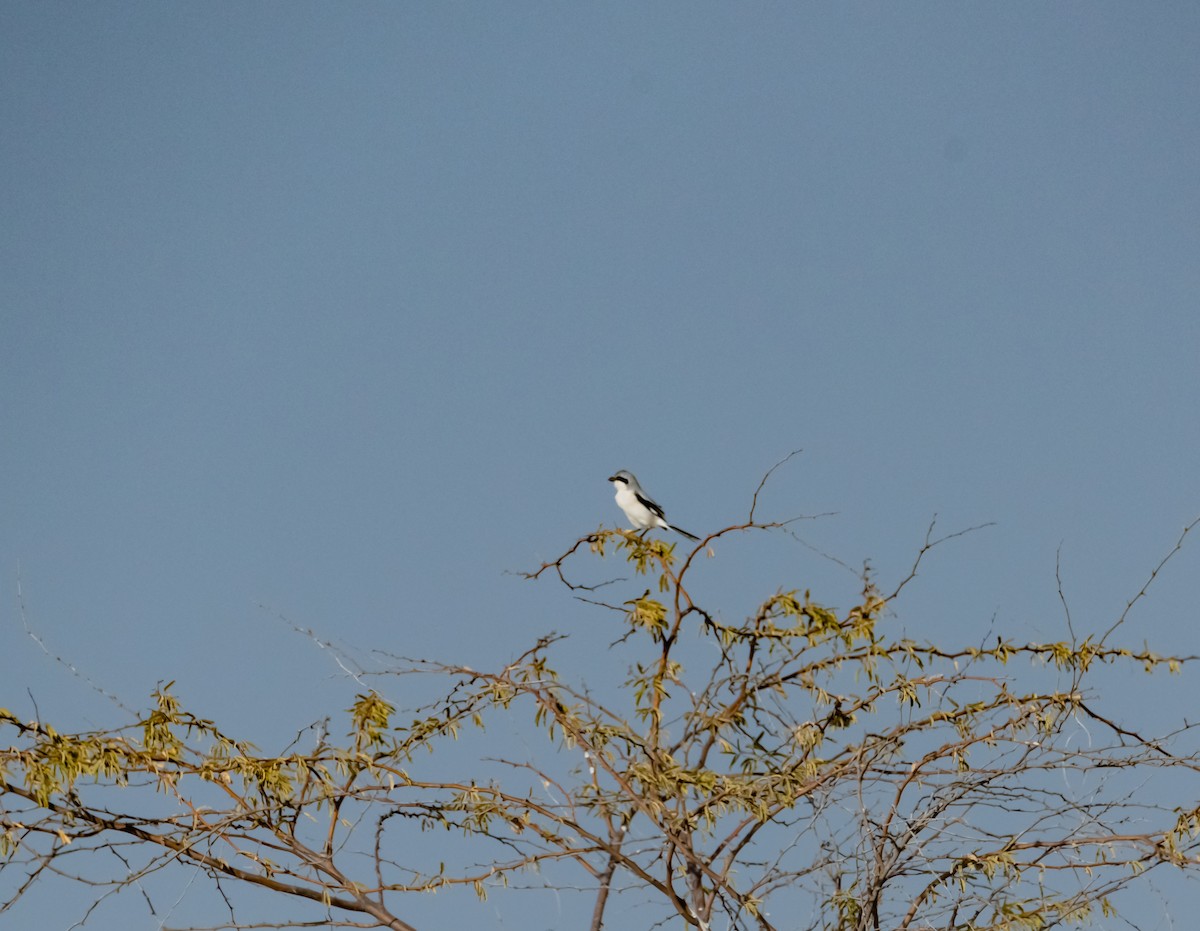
<point>349,309</point>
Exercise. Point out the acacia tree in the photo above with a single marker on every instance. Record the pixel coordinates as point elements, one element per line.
<point>785,766</point>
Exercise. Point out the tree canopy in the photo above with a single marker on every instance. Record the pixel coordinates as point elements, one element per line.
<point>793,766</point>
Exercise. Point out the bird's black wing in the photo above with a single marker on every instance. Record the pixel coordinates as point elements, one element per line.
<point>650,505</point>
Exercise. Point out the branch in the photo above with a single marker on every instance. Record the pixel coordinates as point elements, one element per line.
<point>928,545</point>
<point>187,850</point>
<point>1150,581</point>
<point>763,482</point>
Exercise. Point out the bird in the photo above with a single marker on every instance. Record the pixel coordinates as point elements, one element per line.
<point>642,510</point>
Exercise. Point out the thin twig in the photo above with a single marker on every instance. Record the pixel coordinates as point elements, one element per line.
<point>1150,581</point>
<point>65,663</point>
<point>763,482</point>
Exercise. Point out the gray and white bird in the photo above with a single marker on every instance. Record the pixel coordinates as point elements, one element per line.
<point>642,510</point>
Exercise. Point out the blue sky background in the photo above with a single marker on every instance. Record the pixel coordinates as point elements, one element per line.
<point>345,312</point>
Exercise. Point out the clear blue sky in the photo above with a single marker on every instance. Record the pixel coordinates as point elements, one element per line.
<point>344,311</point>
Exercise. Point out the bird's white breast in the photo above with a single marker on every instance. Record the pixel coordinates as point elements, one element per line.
<point>637,513</point>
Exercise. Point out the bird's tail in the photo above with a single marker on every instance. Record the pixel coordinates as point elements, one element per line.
<point>690,536</point>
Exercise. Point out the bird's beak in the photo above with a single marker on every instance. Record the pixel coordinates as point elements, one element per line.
<point>612,478</point>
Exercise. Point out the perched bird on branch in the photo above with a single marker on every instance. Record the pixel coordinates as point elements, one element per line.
<point>642,510</point>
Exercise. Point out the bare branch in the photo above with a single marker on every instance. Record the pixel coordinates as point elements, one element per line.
<point>928,545</point>
<point>762,483</point>
<point>1144,590</point>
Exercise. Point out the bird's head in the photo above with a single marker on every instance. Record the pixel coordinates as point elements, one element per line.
<point>622,478</point>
